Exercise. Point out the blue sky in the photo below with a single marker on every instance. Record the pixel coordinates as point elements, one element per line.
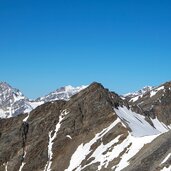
<point>123,44</point>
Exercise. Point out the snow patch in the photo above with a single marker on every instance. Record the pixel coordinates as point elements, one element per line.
<point>68,136</point>
<point>135,143</point>
<point>84,149</point>
<point>51,139</point>
<point>26,118</point>
<point>167,157</point>
<point>169,126</point>
<point>23,163</point>
<point>103,155</point>
<point>155,91</point>
<point>159,125</point>
<point>6,166</point>
<point>18,97</point>
<point>35,104</point>
<point>166,168</point>
<point>134,99</point>
<point>136,122</point>
<point>21,167</point>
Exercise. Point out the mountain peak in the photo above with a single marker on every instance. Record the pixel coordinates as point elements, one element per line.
<point>96,85</point>
<point>167,84</point>
<point>12,101</point>
<point>4,85</point>
<point>144,90</point>
<point>63,93</point>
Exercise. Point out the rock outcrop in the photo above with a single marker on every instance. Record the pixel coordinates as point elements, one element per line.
<point>155,103</point>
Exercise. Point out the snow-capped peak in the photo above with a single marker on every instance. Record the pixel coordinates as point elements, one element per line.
<point>145,89</point>
<point>139,92</point>
<point>6,89</point>
<point>12,101</point>
<point>63,93</point>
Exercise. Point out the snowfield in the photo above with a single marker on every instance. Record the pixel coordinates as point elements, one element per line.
<point>136,122</point>
<point>141,133</point>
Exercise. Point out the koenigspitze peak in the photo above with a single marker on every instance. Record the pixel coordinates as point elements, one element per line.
<point>12,101</point>
<point>6,89</point>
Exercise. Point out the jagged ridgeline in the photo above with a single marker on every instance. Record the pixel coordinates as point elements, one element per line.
<point>13,102</point>
<point>94,129</point>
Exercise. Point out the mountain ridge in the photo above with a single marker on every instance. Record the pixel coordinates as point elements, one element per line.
<point>95,130</point>
<point>15,102</point>
<point>25,104</point>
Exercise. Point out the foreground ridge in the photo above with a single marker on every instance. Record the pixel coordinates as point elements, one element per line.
<point>95,129</point>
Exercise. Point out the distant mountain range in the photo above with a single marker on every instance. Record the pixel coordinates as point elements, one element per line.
<point>86,128</point>
<point>13,102</point>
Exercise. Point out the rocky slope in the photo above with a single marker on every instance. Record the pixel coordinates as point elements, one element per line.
<point>154,156</point>
<point>94,130</point>
<point>155,104</point>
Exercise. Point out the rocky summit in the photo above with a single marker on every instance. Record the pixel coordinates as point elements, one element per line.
<point>93,130</point>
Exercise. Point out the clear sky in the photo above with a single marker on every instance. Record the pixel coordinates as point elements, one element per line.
<point>124,44</point>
